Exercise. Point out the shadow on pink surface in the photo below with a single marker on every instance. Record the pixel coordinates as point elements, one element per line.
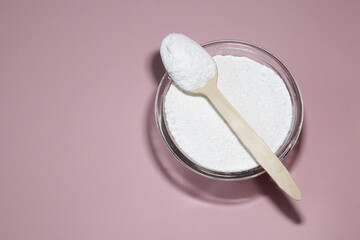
<point>205,189</point>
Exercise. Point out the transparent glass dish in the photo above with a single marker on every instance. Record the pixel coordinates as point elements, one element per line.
<point>256,53</point>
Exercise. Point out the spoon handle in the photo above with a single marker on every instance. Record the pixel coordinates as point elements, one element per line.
<point>252,142</point>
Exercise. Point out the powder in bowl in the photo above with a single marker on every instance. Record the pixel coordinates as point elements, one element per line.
<point>256,91</point>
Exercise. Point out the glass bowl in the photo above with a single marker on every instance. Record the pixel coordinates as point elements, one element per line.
<point>260,55</point>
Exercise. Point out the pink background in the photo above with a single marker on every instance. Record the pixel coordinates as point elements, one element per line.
<point>80,156</point>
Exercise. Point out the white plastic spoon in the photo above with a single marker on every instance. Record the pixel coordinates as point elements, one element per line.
<point>195,71</point>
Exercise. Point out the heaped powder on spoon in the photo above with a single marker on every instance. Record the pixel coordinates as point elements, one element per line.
<point>187,63</point>
<point>256,91</point>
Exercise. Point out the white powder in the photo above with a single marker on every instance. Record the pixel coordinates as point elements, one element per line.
<point>187,63</point>
<point>259,95</point>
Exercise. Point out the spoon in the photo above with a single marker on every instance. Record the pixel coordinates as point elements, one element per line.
<point>182,58</point>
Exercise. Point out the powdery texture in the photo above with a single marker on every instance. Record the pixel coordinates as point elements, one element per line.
<point>187,63</point>
<point>255,90</point>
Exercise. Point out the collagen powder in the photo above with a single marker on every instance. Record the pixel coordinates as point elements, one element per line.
<point>256,92</point>
<point>187,63</point>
